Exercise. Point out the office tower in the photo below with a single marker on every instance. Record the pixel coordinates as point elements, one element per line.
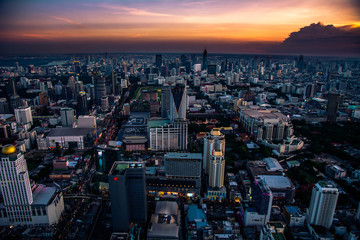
<point>24,204</point>
<point>113,82</point>
<point>67,117</point>
<point>332,106</point>
<point>216,169</point>
<point>5,131</point>
<point>4,106</point>
<point>323,203</point>
<point>309,91</point>
<point>258,210</point>
<point>127,194</point>
<point>301,64</point>
<point>100,88</point>
<point>43,99</point>
<point>213,142</point>
<point>104,103</point>
<point>106,156</point>
<point>165,101</point>
<point>211,69</point>
<point>178,102</point>
<point>82,105</point>
<point>158,62</point>
<point>23,115</point>
<point>205,62</point>
<point>167,136</point>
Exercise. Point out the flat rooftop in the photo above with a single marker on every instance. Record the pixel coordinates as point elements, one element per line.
<point>67,132</point>
<point>274,181</point>
<point>42,195</point>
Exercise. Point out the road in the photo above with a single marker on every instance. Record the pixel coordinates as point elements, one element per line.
<point>110,132</point>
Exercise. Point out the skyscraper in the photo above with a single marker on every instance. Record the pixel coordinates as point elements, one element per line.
<point>158,61</point>
<point>23,115</point>
<point>205,61</point>
<point>216,169</point>
<point>323,203</point>
<point>82,105</point>
<point>67,117</point>
<point>165,101</point>
<point>100,88</point>
<point>43,99</point>
<point>332,106</point>
<point>178,102</point>
<point>25,204</point>
<point>127,194</point>
<point>213,142</point>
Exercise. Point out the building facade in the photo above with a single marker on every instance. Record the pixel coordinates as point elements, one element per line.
<point>323,204</point>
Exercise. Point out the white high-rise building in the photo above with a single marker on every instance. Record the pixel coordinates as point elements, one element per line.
<point>323,203</point>
<point>214,141</point>
<point>23,204</point>
<point>67,117</point>
<point>217,169</point>
<point>23,115</point>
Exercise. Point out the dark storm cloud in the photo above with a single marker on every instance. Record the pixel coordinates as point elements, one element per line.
<point>319,39</point>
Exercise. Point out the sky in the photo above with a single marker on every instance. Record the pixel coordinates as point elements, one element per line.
<point>221,26</point>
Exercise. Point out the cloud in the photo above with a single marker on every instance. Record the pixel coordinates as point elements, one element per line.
<point>135,11</point>
<point>323,39</point>
<point>67,20</point>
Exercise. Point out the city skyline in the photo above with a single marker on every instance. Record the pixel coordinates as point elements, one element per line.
<point>259,27</point>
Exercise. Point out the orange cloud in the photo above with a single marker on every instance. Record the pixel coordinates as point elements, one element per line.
<point>67,20</point>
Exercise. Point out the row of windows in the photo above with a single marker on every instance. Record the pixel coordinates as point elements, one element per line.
<point>169,185</point>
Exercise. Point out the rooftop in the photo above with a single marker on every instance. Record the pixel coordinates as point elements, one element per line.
<point>43,194</point>
<point>275,181</point>
<point>66,132</point>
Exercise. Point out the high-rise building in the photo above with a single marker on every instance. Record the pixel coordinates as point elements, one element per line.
<point>4,106</point>
<point>67,117</point>
<point>106,156</point>
<point>178,102</point>
<point>24,204</point>
<point>100,88</point>
<point>165,101</point>
<point>158,62</point>
<point>216,169</point>
<point>104,103</point>
<point>257,211</point>
<point>205,61</point>
<point>213,142</point>
<point>332,106</point>
<point>167,136</point>
<point>127,194</point>
<point>23,115</point>
<point>82,104</point>
<point>43,99</point>
<point>323,204</point>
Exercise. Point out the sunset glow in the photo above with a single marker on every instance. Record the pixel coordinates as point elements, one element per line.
<point>146,21</point>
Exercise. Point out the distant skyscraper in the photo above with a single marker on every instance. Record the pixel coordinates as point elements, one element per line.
<point>127,194</point>
<point>165,101</point>
<point>158,62</point>
<point>178,102</point>
<point>100,88</point>
<point>332,106</point>
<point>4,106</point>
<point>43,99</point>
<point>205,61</point>
<point>323,204</point>
<point>104,103</point>
<point>67,117</point>
<point>301,64</point>
<point>82,105</point>
<point>211,69</point>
